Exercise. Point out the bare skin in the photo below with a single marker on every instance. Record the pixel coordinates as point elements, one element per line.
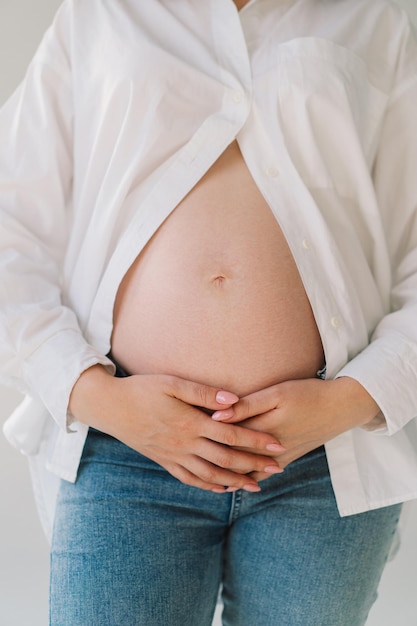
<point>215,296</point>
<point>155,416</point>
<point>281,402</point>
<point>302,413</point>
<point>240,3</point>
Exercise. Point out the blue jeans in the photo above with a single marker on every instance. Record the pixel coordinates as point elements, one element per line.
<point>132,546</point>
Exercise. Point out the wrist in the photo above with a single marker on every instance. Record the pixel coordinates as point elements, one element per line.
<point>89,399</point>
<point>359,403</point>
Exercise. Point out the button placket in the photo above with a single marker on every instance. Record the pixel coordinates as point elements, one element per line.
<point>336,321</point>
<point>237,97</point>
<point>272,171</point>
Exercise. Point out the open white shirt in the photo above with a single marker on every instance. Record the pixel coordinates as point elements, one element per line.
<point>124,108</point>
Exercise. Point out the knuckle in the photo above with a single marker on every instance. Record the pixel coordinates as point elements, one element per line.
<point>184,477</point>
<point>207,474</point>
<point>229,436</point>
<point>177,443</point>
<point>224,460</point>
<point>260,441</point>
<point>245,408</point>
<point>170,384</point>
<point>205,486</point>
<point>203,395</point>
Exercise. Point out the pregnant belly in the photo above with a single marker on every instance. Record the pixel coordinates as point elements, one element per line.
<point>215,296</point>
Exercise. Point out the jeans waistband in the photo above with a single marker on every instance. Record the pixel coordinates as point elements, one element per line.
<point>120,372</point>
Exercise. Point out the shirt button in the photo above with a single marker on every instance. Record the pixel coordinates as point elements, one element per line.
<point>272,172</point>
<point>306,244</point>
<point>237,96</point>
<point>336,321</point>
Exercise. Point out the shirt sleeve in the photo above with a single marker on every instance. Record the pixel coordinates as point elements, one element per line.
<point>42,349</point>
<point>387,368</point>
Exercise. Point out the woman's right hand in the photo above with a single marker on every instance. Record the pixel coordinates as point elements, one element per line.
<point>156,415</point>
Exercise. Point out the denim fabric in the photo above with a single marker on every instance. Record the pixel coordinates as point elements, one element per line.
<point>132,546</point>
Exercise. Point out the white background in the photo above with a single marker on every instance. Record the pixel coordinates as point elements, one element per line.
<point>23,549</point>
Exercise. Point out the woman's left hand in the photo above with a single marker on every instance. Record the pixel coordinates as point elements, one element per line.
<point>303,414</point>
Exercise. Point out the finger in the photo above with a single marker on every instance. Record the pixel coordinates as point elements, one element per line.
<point>240,437</point>
<point>200,395</point>
<point>240,461</point>
<point>251,405</point>
<point>207,476</point>
<point>260,476</point>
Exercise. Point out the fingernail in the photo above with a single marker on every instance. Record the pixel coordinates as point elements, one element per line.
<point>273,469</point>
<point>252,488</point>
<point>275,447</point>
<point>226,397</point>
<point>222,415</point>
<point>218,490</point>
<point>232,489</point>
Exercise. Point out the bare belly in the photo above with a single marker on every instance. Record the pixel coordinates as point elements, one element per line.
<point>215,296</point>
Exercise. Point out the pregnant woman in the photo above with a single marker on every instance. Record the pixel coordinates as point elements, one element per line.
<point>208,273</point>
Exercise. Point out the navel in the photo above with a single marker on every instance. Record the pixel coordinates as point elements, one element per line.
<point>219,280</point>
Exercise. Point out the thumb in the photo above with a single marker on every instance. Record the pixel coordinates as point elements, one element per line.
<point>256,403</point>
<point>203,396</point>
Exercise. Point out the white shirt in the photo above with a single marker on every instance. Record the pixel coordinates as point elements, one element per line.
<point>124,108</point>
